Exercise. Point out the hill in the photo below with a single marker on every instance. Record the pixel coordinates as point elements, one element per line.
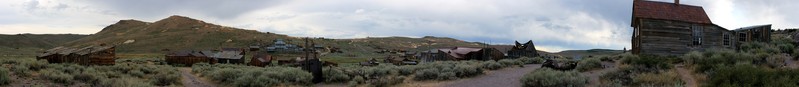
<point>184,33</point>
<point>586,53</point>
<point>28,44</point>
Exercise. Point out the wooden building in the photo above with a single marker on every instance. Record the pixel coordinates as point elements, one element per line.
<point>90,55</point>
<point>523,50</point>
<point>189,57</point>
<point>261,59</point>
<point>662,28</point>
<point>758,33</point>
<point>230,55</point>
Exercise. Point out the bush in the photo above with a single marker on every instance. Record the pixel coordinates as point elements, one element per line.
<point>4,76</point>
<point>359,79</point>
<point>426,74</point>
<point>546,77</point>
<point>260,81</point>
<point>621,76</point>
<point>510,62</point>
<point>649,63</point>
<point>226,75</point>
<point>747,75</point>
<point>690,57</point>
<point>589,64</point>
<point>166,78</point>
<point>391,80</point>
<point>56,76</point>
<point>669,78</point>
<point>21,70</point>
<point>491,65</point>
<point>774,61</point>
<point>335,75</point>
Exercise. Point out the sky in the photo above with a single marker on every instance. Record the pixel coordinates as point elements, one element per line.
<point>553,25</point>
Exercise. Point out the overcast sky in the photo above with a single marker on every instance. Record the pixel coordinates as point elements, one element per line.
<point>554,25</point>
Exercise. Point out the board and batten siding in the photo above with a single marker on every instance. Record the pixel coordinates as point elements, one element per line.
<point>666,37</point>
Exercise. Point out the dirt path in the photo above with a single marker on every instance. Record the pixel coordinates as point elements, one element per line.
<point>190,80</point>
<point>507,77</point>
<point>593,75</point>
<point>686,76</point>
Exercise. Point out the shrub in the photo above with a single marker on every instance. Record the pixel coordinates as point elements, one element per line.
<point>690,57</point>
<point>491,65</point>
<point>774,61</point>
<point>260,81</point>
<point>335,75</point>
<point>622,76</point>
<point>56,76</point>
<point>546,77</point>
<point>165,78</point>
<point>226,75</point>
<point>747,75</point>
<point>649,63</point>
<point>21,70</point>
<point>359,79</point>
<point>4,76</point>
<point>426,74</point>
<point>136,73</point>
<point>391,80</point>
<point>588,64</point>
<point>406,70</point>
<point>669,78</point>
<point>510,62</point>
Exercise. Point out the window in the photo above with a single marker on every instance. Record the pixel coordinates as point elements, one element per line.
<point>697,33</point>
<point>742,37</point>
<point>726,39</point>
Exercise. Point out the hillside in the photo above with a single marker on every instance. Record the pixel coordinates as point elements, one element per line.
<point>586,53</point>
<point>184,33</point>
<point>26,44</point>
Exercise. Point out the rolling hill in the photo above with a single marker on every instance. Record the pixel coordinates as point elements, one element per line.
<point>184,33</point>
<point>28,44</point>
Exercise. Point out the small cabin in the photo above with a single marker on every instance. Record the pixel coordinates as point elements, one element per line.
<point>230,56</point>
<point>90,55</point>
<point>261,59</point>
<point>189,57</point>
<point>758,33</point>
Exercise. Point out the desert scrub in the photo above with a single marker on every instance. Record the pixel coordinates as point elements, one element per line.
<point>748,75</point>
<point>510,62</point>
<point>333,75</point>
<point>168,75</point>
<point>4,76</point>
<point>546,77</point>
<point>588,64</point>
<point>491,65</point>
<point>56,76</point>
<point>533,60</point>
<point>649,63</point>
<point>229,74</point>
<point>668,78</point>
<point>690,57</point>
<point>21,70</point>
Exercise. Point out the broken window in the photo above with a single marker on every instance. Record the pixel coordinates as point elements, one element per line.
<point>697,33</point>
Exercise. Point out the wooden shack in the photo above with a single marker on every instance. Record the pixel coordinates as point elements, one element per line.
<point>523,50</point>
<point>261,59</point>
<point>461,53</point>
<point>189,57</point>
<point>758,33</point>
<point>662,28</point>
<point>90,55</point>
<point>230,55</point>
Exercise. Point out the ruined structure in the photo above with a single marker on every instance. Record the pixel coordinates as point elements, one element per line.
<point>523,50</point>
<point>261,59</point>
<point>90,55</point>
<point>461,53</point>
<point>230,55</point>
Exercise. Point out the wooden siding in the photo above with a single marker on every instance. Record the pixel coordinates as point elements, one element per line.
<point>665,37</point>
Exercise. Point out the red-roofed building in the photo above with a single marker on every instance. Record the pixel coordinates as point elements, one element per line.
<point>663,28</point>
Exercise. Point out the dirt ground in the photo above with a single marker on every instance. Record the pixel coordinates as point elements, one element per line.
<point>593,75</point>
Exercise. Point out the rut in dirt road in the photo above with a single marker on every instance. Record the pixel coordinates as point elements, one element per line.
<point>190,80</point>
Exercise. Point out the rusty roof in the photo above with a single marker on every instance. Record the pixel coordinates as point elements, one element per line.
<point>669,11</point>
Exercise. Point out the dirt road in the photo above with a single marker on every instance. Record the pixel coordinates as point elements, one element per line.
<point>507,77</point>
<point>190,80</point>
<point>686,76</point>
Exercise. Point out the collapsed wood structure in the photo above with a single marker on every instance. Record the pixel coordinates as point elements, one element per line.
<point>261,59</point>
<point>460,53</point>
<point>662,28</point>
<point>523,50</point>
<point>90,55</point>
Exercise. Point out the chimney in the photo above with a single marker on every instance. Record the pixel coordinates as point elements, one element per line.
<point>677,2</point>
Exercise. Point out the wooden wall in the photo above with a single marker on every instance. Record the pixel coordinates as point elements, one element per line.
<point>665,37</point>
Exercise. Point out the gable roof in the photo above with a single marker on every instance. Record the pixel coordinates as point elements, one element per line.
<point>669,11</point>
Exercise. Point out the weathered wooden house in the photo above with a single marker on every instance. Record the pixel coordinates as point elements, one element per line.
<point>523,50</point>
<point>261,59</point>
<point>662,28</point>
<point>758,33</point>
<point>230,55</point>
<point>189,57</point>
<point>90,55</point>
